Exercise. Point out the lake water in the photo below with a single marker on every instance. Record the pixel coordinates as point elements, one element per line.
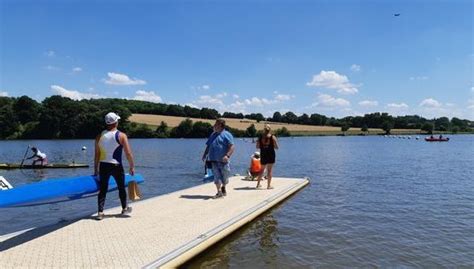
<point>372,201</point>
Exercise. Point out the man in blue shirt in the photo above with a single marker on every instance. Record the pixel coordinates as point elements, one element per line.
<point>219,148</point>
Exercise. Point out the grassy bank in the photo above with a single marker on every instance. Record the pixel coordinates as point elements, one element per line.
<point>242,124</point>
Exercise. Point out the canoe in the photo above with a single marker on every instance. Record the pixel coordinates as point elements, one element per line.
<point>57,190</point>
<point>46,166</point>
<point>428,139</point>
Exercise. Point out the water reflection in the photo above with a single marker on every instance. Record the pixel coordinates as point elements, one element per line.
<point>261,235</point>
<point>372,202</point>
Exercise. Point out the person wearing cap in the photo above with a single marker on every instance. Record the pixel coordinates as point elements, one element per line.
<point>39,156</point>
<point>255,166</point>
<point>267,143</point>
<point>219,148</point>
<point>109,146</point>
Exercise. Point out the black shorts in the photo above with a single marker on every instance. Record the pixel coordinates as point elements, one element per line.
<point>267,158</point>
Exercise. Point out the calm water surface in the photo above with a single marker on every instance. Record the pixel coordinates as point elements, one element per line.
<point>372,202</point>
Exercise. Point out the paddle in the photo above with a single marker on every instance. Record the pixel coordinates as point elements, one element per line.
<point>24,156</point>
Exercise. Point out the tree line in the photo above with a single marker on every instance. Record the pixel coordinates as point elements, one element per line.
<point>59,117</point>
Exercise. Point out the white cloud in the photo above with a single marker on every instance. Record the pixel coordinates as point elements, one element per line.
<point>51,68</point>
<point>419,78</point>
<point>76,69</point>
<point>472,89</point>
<point>255,101</point>
<point>333,80</point>
<point>238,106</point>
<point>75,95</point>
<point>355,68</point>
<point>205,87</point>
<point>221,95</point>
<point>397,106</point>
<point>191,105</point>
<point>3,94</point>
<point>470,103</point>
<point>50,53</point>
<point>284,97</point>
<point>147,96</point>
<point>430,103</point>
<point>326,100</point>
<point>207,100</point>
<point>368,103</point>
<point>121,79</point>
<point>256,104</point>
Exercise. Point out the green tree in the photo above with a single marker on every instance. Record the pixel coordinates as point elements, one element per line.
<point>162,130</point>
<point>364,128</point>
<point>26,109</point>
<point>9,124</point>
<point>345,128</point>
<point>184,129</point>
<point>282,132</point>
<point>201,129</point>
<point>141,131</point>
<point>276,117</point>
<point>455,129</point>
<point>290,117</point>
<point>428,127</point>
<point>387,126</point>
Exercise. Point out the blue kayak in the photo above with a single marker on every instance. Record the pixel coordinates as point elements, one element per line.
<point>57,190</point>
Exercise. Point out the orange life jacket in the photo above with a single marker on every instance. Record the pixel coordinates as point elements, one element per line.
<point>256,166</point>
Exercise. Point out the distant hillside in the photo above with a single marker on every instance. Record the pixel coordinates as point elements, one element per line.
<point>243,124</point>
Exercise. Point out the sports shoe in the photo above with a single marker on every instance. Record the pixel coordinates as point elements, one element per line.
<point>127,210</point>
<point>224,192</point>
<point>100,216</point>
<point>218,195</point>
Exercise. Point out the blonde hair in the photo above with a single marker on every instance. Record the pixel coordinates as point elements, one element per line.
<point>267,128</point>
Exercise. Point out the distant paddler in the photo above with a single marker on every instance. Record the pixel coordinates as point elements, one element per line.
<point>39,156</point>
<point>109,146</point>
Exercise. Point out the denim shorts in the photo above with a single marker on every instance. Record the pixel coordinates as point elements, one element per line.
<point>221,172</point>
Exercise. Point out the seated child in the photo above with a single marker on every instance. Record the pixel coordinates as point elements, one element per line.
<point>255,166</point>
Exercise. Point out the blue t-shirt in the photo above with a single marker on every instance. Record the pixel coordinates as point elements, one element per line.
<point>219,144</point>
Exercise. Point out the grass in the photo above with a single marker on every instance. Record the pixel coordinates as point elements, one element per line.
<point>242,124</point>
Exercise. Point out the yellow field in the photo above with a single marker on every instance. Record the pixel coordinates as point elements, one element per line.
<point>243,124</point>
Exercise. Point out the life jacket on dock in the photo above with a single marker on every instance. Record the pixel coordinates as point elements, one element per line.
<point>256,166</point>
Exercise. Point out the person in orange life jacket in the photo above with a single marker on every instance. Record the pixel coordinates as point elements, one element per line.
<point>40,157</point>
<point>108,162</point>
<point>267,143</point>
<point>255,166</point>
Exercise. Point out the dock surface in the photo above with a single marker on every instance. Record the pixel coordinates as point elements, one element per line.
<point>164,231</point>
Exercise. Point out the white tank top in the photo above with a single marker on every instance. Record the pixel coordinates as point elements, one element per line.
<point>110,148</point>
<point>40,154</point>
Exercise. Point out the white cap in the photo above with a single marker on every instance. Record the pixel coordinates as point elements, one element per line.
<point>111,118</point>
<point>256,153</point>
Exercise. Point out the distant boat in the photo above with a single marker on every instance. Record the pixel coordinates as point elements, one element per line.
<point>55,190</point>
<point>436,139</point>
<point>46,166</point>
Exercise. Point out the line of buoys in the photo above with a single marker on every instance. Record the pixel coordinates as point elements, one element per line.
<point>402,137</point>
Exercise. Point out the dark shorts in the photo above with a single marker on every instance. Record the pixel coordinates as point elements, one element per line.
<point>267,158</point>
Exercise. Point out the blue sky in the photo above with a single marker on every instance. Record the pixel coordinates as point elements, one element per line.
<point>336,58</point>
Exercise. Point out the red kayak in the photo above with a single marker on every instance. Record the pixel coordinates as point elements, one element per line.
<point>435,139</point>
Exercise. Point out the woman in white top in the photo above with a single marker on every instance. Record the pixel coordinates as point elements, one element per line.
<point>109,146</point>
<point>40,157</point>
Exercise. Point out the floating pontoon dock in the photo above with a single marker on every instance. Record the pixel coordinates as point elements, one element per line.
<point>163,231</point>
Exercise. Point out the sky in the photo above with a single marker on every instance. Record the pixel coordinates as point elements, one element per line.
<point>337,58</point>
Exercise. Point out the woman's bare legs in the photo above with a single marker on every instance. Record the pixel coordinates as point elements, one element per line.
<point>269,175</point>
<point>261,175</point>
